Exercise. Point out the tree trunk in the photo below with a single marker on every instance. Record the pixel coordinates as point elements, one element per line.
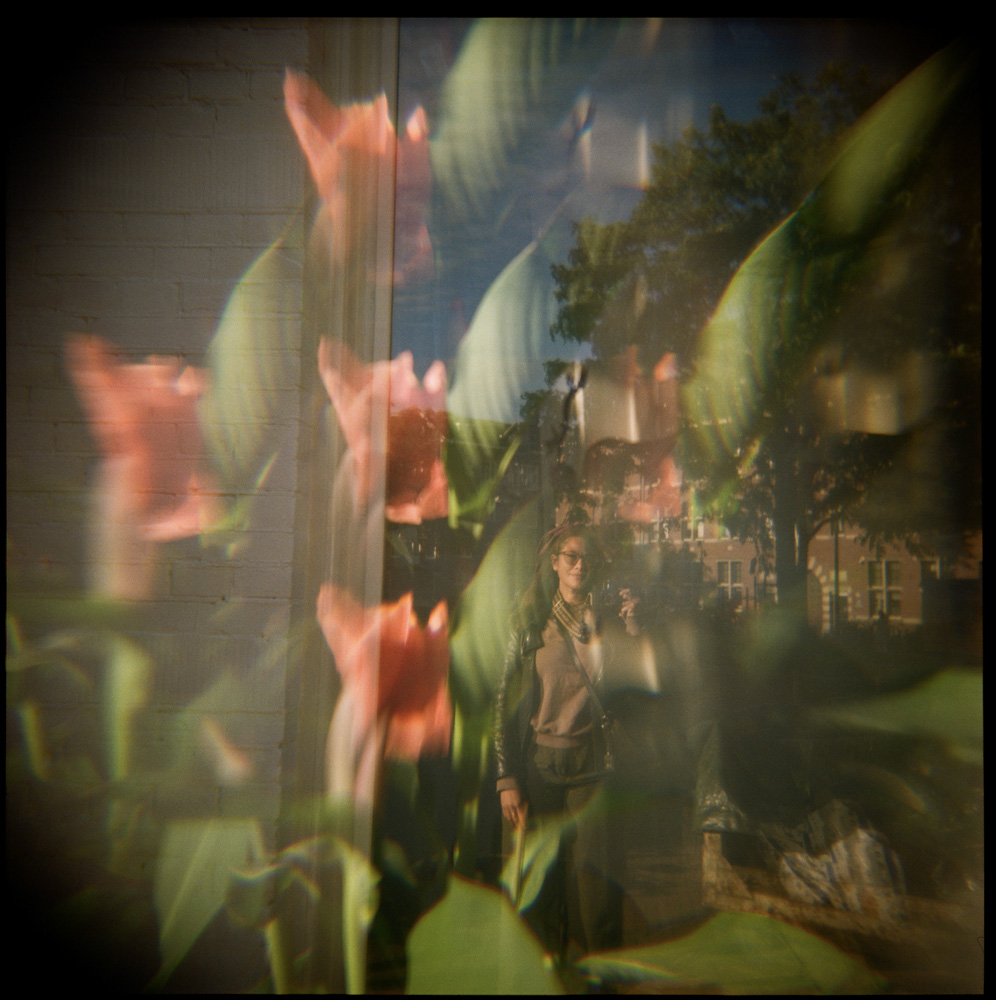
<point>791,538</point>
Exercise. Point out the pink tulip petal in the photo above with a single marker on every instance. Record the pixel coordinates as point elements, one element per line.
<point>394,675</point>
<point>432,503</point>
<point>663,501</point>
<point>197,514</point>
<point>144,417</point>
<point>421,734</point>
<point>416,488</point>
<point>347,149</point>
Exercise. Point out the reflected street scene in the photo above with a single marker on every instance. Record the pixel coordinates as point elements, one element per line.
<point>494,506</point>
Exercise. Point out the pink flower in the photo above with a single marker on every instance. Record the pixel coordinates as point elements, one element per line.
<point>153,486</point>
<point>660,433</point>
<point>348,150</point>
<point>416,488</point>
<point>394,699</point>
<point>663,500</point>
<point>413,182</point>
<point>629,424</point>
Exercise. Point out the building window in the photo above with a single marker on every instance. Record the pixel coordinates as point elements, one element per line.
<point>839,613</point>
<point>884,590</point>
<point>660,531</point>
<point>693,528</point>
<point>729,574</point>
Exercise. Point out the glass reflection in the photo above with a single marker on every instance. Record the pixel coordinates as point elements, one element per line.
<point>704,288</point>
<point>344,145</point>
<point>394,701</point>
<point>416,486</point>
<point>154,483</point>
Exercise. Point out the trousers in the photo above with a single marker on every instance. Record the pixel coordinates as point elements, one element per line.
<point>580,906</point>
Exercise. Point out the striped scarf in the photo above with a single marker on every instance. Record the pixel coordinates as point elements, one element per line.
<point>571,619</point>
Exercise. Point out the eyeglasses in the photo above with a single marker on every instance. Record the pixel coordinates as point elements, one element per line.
<point>573,557</point>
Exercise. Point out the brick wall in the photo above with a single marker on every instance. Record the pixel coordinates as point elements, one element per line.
<point>147,173</point>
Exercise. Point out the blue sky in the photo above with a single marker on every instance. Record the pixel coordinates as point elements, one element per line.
<point>586,143</point>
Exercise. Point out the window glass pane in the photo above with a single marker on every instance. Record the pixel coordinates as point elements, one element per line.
<point>363,341</point>
<point>876,603</point>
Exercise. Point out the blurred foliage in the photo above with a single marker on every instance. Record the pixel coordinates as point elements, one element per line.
<point>740,953</point>
<point>946,708</point>
<point>480,627</point>
<point>496,365</point>
<point>794,294</point>
<point>824,232</point>
<point>476,454</point>
<point>713,196</point>
<point>901,733</point>
<point>497,954</point>
<point>506,92</point>
<point>539,853</point>
<point>191,883</point>
<point>254,356</point>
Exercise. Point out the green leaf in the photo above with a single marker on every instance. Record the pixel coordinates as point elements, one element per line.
<point>542,847</point>
<point>946,707</point>
<point>125,691</point>
<point>469,750</point>
<point>502,355</point>
<point>741,953</point>
<point>768,320</point>
<point>511,85</point>
<point>513,77</point>
<point>254,359</point>
<point>39,758</point>
<point>476,455</point>
<point>253,889</point>
<point>276,950</point>
<point>359,904</point>
<point>192,877</point>
<point>76,611</point>
<point>480,628</point>
<point>473,942</point>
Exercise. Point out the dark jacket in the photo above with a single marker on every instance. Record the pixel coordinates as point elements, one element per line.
<point>515,702</point>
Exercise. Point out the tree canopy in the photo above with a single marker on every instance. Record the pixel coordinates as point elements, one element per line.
<point>654,279</point>
<point>834,262</point>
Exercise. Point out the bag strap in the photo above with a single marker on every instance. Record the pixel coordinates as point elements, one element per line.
<point>605,720</point>
<point>584,673</point>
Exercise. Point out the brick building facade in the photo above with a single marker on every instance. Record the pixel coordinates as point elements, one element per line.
<point>870,581</point>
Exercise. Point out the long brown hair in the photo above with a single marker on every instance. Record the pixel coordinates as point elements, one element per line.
<point>537,601</point>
